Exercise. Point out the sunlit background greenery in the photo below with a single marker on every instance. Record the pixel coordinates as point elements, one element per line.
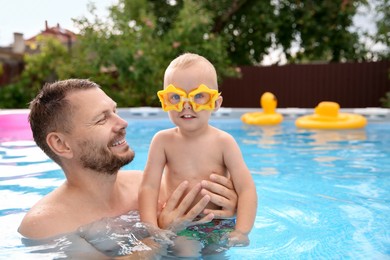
<point>127,52</point>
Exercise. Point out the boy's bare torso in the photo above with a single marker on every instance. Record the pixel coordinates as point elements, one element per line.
<point>192,159</point>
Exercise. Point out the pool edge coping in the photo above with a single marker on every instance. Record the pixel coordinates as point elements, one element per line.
<point>290,113</point>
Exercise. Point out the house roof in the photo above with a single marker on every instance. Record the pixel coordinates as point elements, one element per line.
<point>63,35</point>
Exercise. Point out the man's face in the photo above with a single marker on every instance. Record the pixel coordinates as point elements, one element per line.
<point>100,159</point>
<point>98,133</point>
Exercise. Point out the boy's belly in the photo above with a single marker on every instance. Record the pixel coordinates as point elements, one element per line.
<point>169,185</point>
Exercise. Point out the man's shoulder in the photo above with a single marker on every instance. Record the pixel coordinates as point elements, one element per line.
<point>42,220</point>
<point>130,173</point>
<point>130,177</point>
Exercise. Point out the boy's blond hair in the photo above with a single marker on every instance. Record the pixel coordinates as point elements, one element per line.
<point>188,59</point>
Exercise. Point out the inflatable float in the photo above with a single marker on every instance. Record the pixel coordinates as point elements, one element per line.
<point>14,126</point>
<point>268,117</point>
<point>326,116</point>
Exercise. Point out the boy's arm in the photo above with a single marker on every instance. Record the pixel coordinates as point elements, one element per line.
<point>244,185</point>
<point>151,180</point>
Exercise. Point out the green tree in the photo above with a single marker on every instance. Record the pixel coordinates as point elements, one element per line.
<point>1,69</point>
<point>127,54</point>
<point>319,29</point>
<point>382,36</point>
<point>305,30</point>
<point>39,68</point>
<point>243,24</point>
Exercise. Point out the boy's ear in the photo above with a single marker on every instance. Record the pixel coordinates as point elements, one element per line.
<point>58,144</point>
<point>218,103</point>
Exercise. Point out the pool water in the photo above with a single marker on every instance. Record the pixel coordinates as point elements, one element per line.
<point>322,194</point>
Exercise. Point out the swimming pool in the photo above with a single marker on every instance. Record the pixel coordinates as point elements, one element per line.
<point>322,194</point>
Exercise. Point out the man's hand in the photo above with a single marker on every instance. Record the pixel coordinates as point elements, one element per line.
<point>176,217</point>
<point>218,189</point>
<point>222,193</point>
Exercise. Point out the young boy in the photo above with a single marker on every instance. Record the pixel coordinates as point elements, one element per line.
<point>194,149</point>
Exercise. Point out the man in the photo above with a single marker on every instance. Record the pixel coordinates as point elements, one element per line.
<point>76,124</point>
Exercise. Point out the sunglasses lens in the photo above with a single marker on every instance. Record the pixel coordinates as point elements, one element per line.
<point>202,98</point>
<point>173,98</point>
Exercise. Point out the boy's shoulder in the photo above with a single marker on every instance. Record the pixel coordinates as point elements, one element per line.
<point>221,133</point>
<point>167,131</point>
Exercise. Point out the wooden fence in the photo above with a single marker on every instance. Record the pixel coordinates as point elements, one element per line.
<point>352,85</point>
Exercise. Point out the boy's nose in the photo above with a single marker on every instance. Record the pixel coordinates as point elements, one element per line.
<point>187,105</point>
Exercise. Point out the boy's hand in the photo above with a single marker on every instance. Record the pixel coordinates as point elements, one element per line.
<point>237,238</point>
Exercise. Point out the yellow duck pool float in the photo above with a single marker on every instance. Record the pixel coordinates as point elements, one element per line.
<point>268,117</point>
<point>326,116</point>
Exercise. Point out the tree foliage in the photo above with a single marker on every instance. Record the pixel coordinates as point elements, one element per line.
<point>304,30</point>
<point>127,52</point>
<point>320,30</point>
<point>39,68</point>
<point>382,36</point>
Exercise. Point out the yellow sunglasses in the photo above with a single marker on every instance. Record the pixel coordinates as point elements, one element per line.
<point>201,98</point>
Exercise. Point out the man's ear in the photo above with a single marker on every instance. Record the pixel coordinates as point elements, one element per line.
<point>58,144</point>
<point>218,103</point>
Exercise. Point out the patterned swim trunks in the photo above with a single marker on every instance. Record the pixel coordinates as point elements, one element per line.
<point>211,232</point>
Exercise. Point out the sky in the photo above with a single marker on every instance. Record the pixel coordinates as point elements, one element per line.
<point>29,16</point>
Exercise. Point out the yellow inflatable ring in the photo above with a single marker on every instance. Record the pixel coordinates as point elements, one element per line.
<point>326,116</point>
<point>268,117</point>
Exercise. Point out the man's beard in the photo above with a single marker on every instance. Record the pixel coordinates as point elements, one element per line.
<point>101,159</point>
